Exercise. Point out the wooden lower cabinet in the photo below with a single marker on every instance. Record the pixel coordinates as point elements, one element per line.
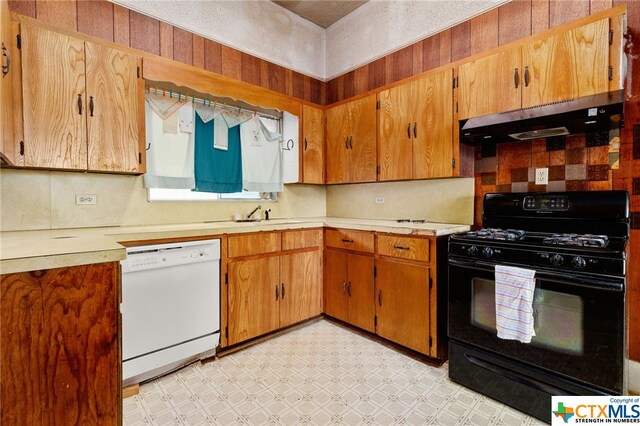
<point>348,288</point>
<point>254,292</point>
<point>59,353</point>
<point>301,286</point>
<point>402,303</point>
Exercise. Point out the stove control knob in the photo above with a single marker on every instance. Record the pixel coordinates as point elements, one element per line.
<point>557,260</point>
<point>578,262</point>
<point>473,250</point>
<point>487,252</point>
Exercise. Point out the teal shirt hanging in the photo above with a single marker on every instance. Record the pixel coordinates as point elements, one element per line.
<point>217,171</point>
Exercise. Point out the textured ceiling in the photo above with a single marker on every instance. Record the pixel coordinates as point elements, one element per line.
<point>321,12</point>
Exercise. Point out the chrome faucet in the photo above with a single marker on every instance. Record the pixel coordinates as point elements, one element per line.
<point>253,211</point>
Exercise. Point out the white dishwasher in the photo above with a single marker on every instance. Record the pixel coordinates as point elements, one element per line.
<point>170,307</point>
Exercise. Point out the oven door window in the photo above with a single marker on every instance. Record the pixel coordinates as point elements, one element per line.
<point>558,317</point>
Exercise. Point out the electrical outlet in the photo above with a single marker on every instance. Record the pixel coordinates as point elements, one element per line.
<point>542,176</point>
<point>379,200</point>
<point>86,199</point>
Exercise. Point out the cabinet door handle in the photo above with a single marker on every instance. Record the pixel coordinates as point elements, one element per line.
<point>91,106</point>
<point>415,130</point>
<point>344,240</point>
<point>351,142</point>
<point>282,292</point>
<point>380,297</point>
<point>79,104</point>
<point>305,144</point>
<point>349,288</point>
<point>401,247</point>
<point>526,76</point>
<point>277,291</point>
<point>516,78</point>
<point>409,130</point>
<point>346,142</point>
<point>7,61</point>
<point>344,287</point>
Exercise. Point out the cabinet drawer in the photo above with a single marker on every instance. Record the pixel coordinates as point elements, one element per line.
<point>292,240</point>
<point>404,247</point>
<point>247,245</point>
<point>349,240</point>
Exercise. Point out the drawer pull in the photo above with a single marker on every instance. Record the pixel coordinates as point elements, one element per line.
<point>344,240</point>
<point>401,248</point>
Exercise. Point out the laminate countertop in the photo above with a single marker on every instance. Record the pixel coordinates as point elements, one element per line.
<point>22,251</point>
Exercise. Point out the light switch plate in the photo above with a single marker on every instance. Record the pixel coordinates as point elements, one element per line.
<point>86,199</point>
<point>379,200</point>
<point>542,176</point>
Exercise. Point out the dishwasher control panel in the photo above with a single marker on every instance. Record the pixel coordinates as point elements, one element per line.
<point>166,255</point>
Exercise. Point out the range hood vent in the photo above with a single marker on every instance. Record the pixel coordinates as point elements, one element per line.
<point>587,114</point>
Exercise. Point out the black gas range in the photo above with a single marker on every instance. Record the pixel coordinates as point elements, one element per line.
<point>575,242</point>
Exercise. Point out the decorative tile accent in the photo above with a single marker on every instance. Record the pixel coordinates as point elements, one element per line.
<point>576,156</point>
<point>576,185</point>
<point>556,143</point>
<point>557,158</point>
<point>503,188</point>
<point>556,173</point>
<point>575,141</point>
<point>319,374</point>
<point>489,164</point>
<point>600,172</point>
<point>557,185</point>
<point>520,187</point>
<point>488,178</point>
<point>520,175</point>
<point>536,188</point>
<point>575,172</point>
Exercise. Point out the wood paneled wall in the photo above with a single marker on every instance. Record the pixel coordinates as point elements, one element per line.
<point>111,22</point>
<point>513,21</point>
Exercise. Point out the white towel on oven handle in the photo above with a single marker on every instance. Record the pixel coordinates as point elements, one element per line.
<point>514,303</point>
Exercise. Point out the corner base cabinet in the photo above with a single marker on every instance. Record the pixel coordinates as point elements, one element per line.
<point>60,352</point>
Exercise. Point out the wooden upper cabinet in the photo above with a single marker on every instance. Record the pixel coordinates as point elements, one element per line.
<point>312,145</point>
<point>114,125</point>
<point>7,143</point>
<point>490,84</point>
<point>566,65</point>
<point>351,141</point>
<point>415,133</point>
<point>82,104</point>
<point>395,123</point>
<point>54,100</point>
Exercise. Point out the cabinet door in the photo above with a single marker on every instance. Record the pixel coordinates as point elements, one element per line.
<point>360,291</point>
<point>362,139</point>
<point>567,65</point>
<point>402,304</point>
<point>395,126</point>
<point>6,110</point>
<point>312,145</point>
<point>433,135</point>
<point>335,281</point>
<point>301,287</point>
<point>490,84</point>
<point>254,293</point>
<point>53,90</point>
<point>338,131</point>
<point>113,123</point>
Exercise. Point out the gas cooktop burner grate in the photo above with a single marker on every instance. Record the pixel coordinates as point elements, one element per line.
<point>584,240</point>
<point>498,234</point>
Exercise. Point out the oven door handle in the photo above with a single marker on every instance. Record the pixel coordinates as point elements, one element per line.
<point>558,277</point>
<point>515,376</point>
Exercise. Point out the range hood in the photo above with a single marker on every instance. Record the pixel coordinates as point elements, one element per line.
<point>597,113</point>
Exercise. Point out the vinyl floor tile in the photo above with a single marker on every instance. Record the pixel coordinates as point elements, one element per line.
<point>320,374</point>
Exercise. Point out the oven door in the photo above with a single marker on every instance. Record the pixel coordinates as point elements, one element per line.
<point>578,321</point>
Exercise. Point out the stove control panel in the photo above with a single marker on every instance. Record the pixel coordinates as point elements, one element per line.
<point>546,202</point>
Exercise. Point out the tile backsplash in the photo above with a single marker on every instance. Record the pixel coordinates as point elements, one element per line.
<point>575,163</point>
